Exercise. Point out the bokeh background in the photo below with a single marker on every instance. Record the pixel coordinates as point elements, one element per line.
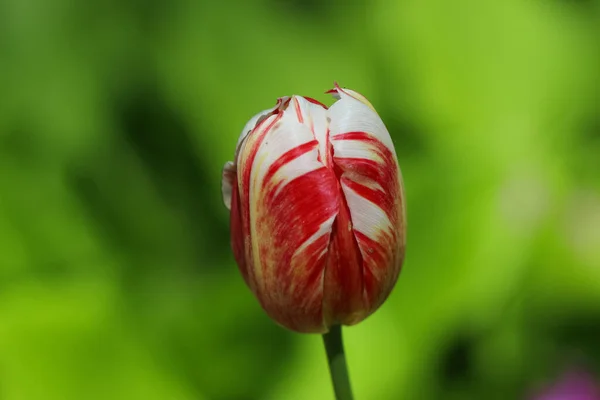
<point>116,117</point>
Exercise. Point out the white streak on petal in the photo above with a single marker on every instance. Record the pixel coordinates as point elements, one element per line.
<point>355,149</point>
<point>287,134</point>
<point>357,96</point>
<point>251,124</point>
<point>315,117</point>
<point>367,218</point>
<point>324,229</point>
<point>297,168</point>
<point>243,153</point>
<point>361,180</point>
<point>351,115</point>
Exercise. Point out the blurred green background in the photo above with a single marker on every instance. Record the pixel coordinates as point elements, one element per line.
<point>116,277</point>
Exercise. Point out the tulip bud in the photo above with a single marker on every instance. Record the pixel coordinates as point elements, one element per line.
<point>317,211</point>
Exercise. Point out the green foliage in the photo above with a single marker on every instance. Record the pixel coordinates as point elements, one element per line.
<point>116,277</point>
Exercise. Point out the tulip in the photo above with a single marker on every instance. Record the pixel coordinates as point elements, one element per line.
<point>317,214</point>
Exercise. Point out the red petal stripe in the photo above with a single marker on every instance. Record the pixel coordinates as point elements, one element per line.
<point>317,102</point>
<point>237,234</point>
<point>378,182</point>
<point>343,286</point>
<point>378,274</point>
<point>287,157</point>
<point>361,171</point>
<point>292,272</point>
<point>253,142</point>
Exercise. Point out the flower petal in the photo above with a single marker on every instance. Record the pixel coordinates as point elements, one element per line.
<point>314,115</point>
<point>227,182</point>
<point>337,92</point>
<point>373,189</point>
<point>251,124</point>
<point>237,233</point>
<point>292,200</point>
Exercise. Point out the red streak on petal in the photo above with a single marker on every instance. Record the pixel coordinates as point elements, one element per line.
<point>287,157</point>
<point>380,258</point>
<point>343,285</point>
<point>360,172</point>
<point>368,168</point>
<point>377,181</point>
<point>357,136</point>
<point>375,196</point>
<point>328,156</point>
<point>293,290</point>
<point>335,89</point>
<point>317,102</point>
<point>254,140</point>
<point>298,111</point>
<point>237,235</point>
<point>313,256</point>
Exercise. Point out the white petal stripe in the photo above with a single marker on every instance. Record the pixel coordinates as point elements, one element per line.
<point>367,218</point>
<point>350,115</point>
<point>285,136</point>
<point>324,229</point>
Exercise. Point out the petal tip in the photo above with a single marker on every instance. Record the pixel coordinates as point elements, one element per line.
<point>338,92</point>
<point>335,91</point>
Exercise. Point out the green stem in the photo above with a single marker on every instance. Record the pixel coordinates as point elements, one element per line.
<point>334,346</point>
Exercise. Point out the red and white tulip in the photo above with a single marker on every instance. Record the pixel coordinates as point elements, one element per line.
<point>317,210</point>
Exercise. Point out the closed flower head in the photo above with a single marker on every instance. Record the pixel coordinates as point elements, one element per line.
<point>317,210</point>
